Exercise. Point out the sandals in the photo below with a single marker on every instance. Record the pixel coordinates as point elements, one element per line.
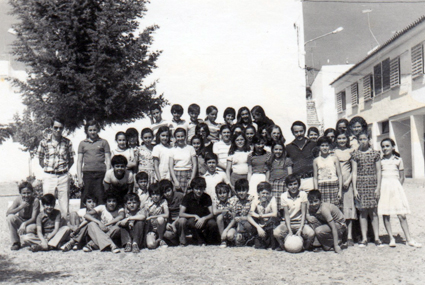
<point>223,244</point>
<point>135,248</point>
<point>392,243</point>
<point>414,243</point>
<point>127,247</point>
<point>363,243</point>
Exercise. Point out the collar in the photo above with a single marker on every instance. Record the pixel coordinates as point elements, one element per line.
<point>209,174</point>
<point>92,141</point>
<point>293,198</point>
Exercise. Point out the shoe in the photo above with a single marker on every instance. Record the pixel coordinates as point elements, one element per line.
<point>350,242</point>
<point>318,249</point>
<point>127,247</point>
<point>87,248</point>
<point>363,243</point>
<point>67,246</point>
<point>76,246</point>
<point>115,249</point>
<point>36,248</point>
<point>379,243</point>
<point>135,248</point>
<point>279,248</point>
<point>413,243</point>
<point>15,246</point>
<point>223,244</point>
<point>392,243</point>
<point>162,244</point>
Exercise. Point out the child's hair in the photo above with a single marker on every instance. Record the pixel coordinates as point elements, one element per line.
<point>258,109</point>
<point>161,130</point>
<point>202,126</point>
<point>233,146</point>
<point>111,195</point>
<point>239,115</point>
<point>236,126</point>
<point>291,178</point>
<point>328,131</point>
<point>392,142</point>
<point>314,194</point>
<point>121,134</point>
<point>340,121</point>
<point>131,197</point>
<point>211,109</point>
<point>267,137</point>
<point>57,119</point>
<point>241,185</point>
<point>198,183</point>
<point>355,120</point>
<point>201,150</point>
<point>256,140</point>
<point>48,199</point>
<point>27,185</point>
<point>194,108</point>
<point>90,124</point>
<point>264,186</point>
<point>337,134</point>
<point>176,108</point>
<point>323,140</point>
<point>210,156</point>
<point>146,131</point>
<point>225,127</point>
<point>119,159</point>
<point>250,127</point>
<point>90,197</point>
<point>132,133</point>
<point>269,162</point>
<point>222,186</point>
<point>155,189</point>
<point>180,130</point>
<point>313,129</point>
<point>155,107</point>
<point>298,124</point>
<point>229,111</point>
<point>165,184</point>
<point>142,176</point>
<point>281,138</point>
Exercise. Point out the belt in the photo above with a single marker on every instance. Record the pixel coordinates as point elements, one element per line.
<point>57,172</point>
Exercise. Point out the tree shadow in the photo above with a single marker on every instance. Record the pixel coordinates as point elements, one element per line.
<point>398,239</point>
<point>10,272</point>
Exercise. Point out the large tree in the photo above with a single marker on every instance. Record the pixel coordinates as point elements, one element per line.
<point>86,60</point>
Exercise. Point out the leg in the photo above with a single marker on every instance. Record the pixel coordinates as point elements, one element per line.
<point>308,236</point>
<point>280,234</point>
<point>405,227</point>
<point>373,213</point>
<point>349,229</point>
<point>14,222</point>
<point>387,224</point>
<point>231,235</point>
<point>325,237</point>
<point>137,233</point>
<point>220,223</point>
<point>181,230</point>
<point>196,233</point>
<point>363,224</point>
<point>30,239</point>
<point>63,194</point>
<point>161,227</point>
<point>126,237</point>
<point>171,233</point>
<point>211,232</point>
<point>100,238</point>
<point>49,183</point>
<point>74,219</point>
<point>151,242</point>
<point>60,236</point>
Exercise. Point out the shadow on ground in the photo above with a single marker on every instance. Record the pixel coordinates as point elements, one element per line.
<point>10,272</point>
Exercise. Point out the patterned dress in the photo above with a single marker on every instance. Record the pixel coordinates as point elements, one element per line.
<point>367,179</point>
<point>145,158</point>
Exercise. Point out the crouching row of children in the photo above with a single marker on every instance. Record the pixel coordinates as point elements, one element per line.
<point>158,216</point>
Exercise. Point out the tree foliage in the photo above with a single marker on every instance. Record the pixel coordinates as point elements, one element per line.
<point>86,59</point>
<point>5,132</point>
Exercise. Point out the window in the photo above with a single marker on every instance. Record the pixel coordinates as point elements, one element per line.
<point>341,101</point>
<point>385,127</point>
<point>354,94</point>
<point>381,76</point>
<point>386,75</point>
<point>377,78</point>
<point>367,87</point>
<point>417,55</point>
<point>395,72</point>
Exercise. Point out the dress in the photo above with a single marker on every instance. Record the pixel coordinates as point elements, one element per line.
<point>348,207</point>
<point>393,200</point>
<point>145,161</point>
<point>328,183</point>
<point>367,180</point>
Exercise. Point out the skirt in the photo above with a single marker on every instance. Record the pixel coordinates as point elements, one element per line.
<point>329,191</point>
<point>348,207</point>
<point>393,199</point>
<point>278,187</point>
<point>256,178</point>
<point>183,177</point>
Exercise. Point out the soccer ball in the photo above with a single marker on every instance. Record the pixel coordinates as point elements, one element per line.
<point>294,244</point>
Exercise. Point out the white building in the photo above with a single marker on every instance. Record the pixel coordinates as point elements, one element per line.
<point>387,89</point>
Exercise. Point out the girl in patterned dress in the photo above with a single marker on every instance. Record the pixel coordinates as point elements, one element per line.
<point>144,154</point>
<point>393,200</point>
<point>366,177</point>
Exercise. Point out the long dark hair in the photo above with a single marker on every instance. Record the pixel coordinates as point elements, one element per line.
<point>233,147</point>
<point>269,162</point>
<point>160,131</point>
<point>239,116</point>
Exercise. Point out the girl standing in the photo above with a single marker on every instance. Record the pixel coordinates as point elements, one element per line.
<point>237,161</point>
<point>393,200</point>
<point>144,154</point>
<point>343,153</point>
<point>210,121</point>
<point>244,118</point>
<point>94,158</point>
<point>124,150</point>
<point>260,118</point>
<point>203,131</point>
<point>331,134</point>
<point>257,165</point>
<point>313,134</point>
<point>250,133</point>
<point>367,185</point>
<point>198,145</point>
<point>342,126</point>
<point>221,148</point>
<point>182,163</point>
<point>161,154</point>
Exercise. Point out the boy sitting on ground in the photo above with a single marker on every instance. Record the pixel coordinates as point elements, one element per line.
<point>157,213</point>
<point>174,200</point>
<point>22,214</point>
<point>221,208</point>
<point>327,220</point>
<point>142,180</point>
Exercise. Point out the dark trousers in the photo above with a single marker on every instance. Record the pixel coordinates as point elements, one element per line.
<point>207,234</point>
<point>93,186</point>
<point>133,235</point>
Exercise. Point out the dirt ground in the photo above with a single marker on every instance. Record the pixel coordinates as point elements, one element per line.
<point>213,265</point>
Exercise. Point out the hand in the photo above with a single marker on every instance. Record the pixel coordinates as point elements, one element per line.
<point>21,229</point>
<point>339,195</point>
<point>24,205</point>
<point>200,223</point>
<point>237,219</point>
<point>103,227</point>
<point>80,182</point>
<point>356,195</point>
<point>377,194</point>
<point>338,249</point>
<point>298,233</point>
<point>196,217</point>
<point>261,232</point>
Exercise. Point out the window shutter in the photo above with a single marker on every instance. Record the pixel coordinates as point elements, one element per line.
<point>395,72</point>
<point>417,54</point>
<point>339,102</point>
<point>367,87</point>
<point>354,94</point>
<point>377,78</point>
<point>386,74</point>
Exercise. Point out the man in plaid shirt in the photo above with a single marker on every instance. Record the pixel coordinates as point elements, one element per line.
<point>56,156</point>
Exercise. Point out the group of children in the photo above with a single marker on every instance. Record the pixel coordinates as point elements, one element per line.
<point>229,184</point>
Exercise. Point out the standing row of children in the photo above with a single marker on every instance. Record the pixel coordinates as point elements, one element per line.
<point>248,156</point>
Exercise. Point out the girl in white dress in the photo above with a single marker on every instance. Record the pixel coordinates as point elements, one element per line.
<point>393,200</point>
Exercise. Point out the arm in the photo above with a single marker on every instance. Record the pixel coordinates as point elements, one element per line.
<point>40,233</point>
<point>194,168</point>
<point>316,184</point>
<point>226,230</point>
<point>41,155</point>
<point>260,231</point>
<point>80,169</point>
<point>156,168</point>
<point>268,176</point>
<point>339,173</point>
<point>107,186</point>
<point>289,168</point>
<point>16,207</point>
<point>56,229</point>
<point>249,172</point>
<point>34,214</point>
<point>108,160</point>
<point>229,170</point>
<point>402,177</point>
<point>287,219</point>
<point>172,173</point>
<point>130,187</point>
<point>273,214</point>
<point>183,214</point>
<point>378,175</point>
<point>91,218</point>
<point>163,215</point>
<point>70,162</point>
<point>139,217</point>
<point>116,219</point>
<point>200,223</point>
<point>354,180</point>
<point>303,217</point>
<point>326,212</point>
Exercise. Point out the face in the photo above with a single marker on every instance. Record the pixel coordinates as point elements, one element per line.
<point>143,184</point>
<point>314,204</point>
<point>225,135</point>
<point>92,132</point>
<point>180,138</point>
<point>278,150</point>
<point>156,114</point>
<point>211,165</point>
<point>169,193</point>
<point>49,208</point>
<point>222,195</point>
<point>57,129</point>
<point>240,142</point>
<point>156,197</point>
<point>212,116</point>
<point>298,132</point>
<point>242,194</point>
<point>176,116</point>
<point>132,205</point>
<point>387,148</point>
<point>193,116</point>
<point>90,204</point>
<point>119,169</point>
<point>132,142</point>
<point>264,133</point>
<point>324,148</point>
<point>313,136</point>
<point>356,128</point>
<point>249,133</point>
<point>257,116</point>
<point>122,142</point>
<point>259,147</point>
<point>147,138</point>
<point>196,143</point>
<point>276,134</point>
<point>203,133</point>
<point>342,140</point>
<point>163,138</point>
<point>342,127</point>
<point>111,204</point>
<point>26,194</point>
<point>331,135</point>
<point>364,141</point>
<point>293,187</point>
<point>264,195</point>
<point>229,119</point>
<point>245,115</point>
<point>198,192</point>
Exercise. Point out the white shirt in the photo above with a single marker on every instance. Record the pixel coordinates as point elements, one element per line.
<point>183,157</point>
<point>163,154</point>
<point>212,180</point>
<point>294,204</point>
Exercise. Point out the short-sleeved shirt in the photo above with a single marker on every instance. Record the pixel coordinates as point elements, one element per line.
<point>162,153</point>
<point>26,213</point>
<point>183,157</point>
<point>174,125</point>
<point>221,205</point>
<point>154,209</point>
<point>239,162</point>
<point>105,215</point>
<point>241,208</point>
<point>144,196</point>
<point>144,155</point>
<point>221,149</point>
<point>259,208</point>
<point>48,221</point>
<point>197,207</point>
<point>258,162</point>
<point>174,205</point>
<point>327,213</point>
<point>94,154</point>
<point>128,153</point>
<point>191,129</point>
<point>122,183</point>
<point>214,129</point>
<point>56,158</point>
<point>138,212</point>
<point>156,126</point>
<point>302,157</point>
<point>279,168</point>
<point>294,205</point>
<point>212,180</point>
